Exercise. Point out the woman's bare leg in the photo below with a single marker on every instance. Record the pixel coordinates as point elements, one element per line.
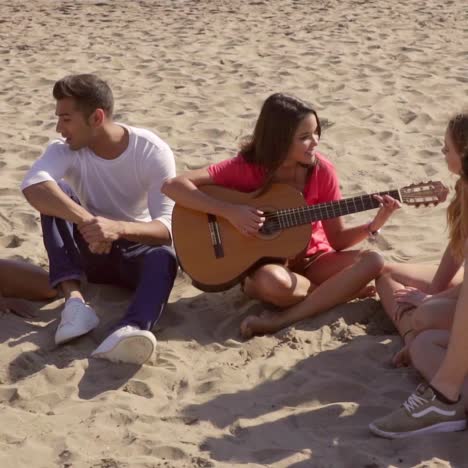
<point>447,381</point>
<point>450,376</point>
<point>277,285</point>
<point>435,314</point>
<point>427,354</point>
<point>397,276</point>
<point>24,280</point>
<point>339,276</point>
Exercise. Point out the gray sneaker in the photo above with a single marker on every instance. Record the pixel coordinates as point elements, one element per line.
<point>422,413</point>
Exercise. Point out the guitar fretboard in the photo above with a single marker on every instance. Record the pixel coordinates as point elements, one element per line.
<point>307,214</point>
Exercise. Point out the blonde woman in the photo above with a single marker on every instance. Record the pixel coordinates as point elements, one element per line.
<point>417,299</point>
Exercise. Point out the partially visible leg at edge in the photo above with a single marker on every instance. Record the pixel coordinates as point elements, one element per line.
<point>24,280</point>
<point>451,374</point>
<point>427,354</point>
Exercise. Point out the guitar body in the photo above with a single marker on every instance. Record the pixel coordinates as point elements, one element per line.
<point>216,255</point>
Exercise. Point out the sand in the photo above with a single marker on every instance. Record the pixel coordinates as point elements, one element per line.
<point>385,75</point>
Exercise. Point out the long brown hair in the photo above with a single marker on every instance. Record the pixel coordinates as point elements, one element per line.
<point>274,131</point>
<point>457,212</point>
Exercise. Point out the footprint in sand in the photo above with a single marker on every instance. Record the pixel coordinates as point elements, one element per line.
<point>385,135</point>
<point>26,365</point>
<point>201,462</point>
<point>8,394</point>
<point>206,387</point>
<point>29,221</point>
<point>28,155</point>
<point>38,139</point>
<point>22,168</point>
<point>431,170</point>
<point>137,387</point>
<point>407,116</point>
<point>11,242</point>
<point>169,453</point>
<point>124,417</point>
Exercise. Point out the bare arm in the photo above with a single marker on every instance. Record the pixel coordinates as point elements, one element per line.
<point>49,199</point>
<point>184,190</point>
<point>101,229</point>
<point>450,293</point>
<point>151,233</point>
<point>442,286</point>
<point>342,237</point>
<point>448,268</point>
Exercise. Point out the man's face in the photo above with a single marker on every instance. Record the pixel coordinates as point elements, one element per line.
<point>72,124</point>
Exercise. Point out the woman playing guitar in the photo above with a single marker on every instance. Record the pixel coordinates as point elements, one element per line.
<point>283,149</point>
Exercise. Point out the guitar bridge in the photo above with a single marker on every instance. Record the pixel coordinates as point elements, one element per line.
<point>215,235</point>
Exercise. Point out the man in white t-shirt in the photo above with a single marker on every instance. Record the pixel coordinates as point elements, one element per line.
<point>103,215</point>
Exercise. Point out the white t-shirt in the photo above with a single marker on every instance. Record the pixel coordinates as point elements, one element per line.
<point>127,188</point>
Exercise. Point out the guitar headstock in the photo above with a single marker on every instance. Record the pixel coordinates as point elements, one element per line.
<point>424,193</point>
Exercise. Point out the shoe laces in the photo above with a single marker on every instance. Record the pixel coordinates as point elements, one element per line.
<point>413,402</point>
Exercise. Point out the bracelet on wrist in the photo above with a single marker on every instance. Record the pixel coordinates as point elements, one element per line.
<point>372,233</point>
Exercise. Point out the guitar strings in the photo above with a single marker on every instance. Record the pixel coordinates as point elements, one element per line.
<point>288,217</point>
<point>301,215</point>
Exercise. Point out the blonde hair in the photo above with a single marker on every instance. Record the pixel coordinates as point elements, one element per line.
<point>457,212</point>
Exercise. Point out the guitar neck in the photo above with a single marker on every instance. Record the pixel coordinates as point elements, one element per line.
<point>296,216</point>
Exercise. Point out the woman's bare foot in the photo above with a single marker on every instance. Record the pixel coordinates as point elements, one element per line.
<point>402,357</point>
<point>367,291</point>
<point>261,324</point>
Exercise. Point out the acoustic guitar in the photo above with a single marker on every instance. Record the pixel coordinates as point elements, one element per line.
<point>216,255</point>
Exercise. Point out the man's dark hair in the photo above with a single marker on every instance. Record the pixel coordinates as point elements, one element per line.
<point>88,91</point>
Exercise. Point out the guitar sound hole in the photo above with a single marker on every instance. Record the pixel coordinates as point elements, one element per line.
<point>269,228</point>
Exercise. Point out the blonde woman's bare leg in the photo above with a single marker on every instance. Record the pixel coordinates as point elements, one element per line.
<point>436,408</point>
<point>435,314</point>
<point>397,276</point>
<point>450,376</point>
<point>428,352</point>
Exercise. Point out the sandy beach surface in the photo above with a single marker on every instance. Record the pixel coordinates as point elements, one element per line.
<point>384,75</point>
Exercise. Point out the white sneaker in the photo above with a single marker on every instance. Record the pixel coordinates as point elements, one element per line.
<point>127,344</point>
<point>78,319</point>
